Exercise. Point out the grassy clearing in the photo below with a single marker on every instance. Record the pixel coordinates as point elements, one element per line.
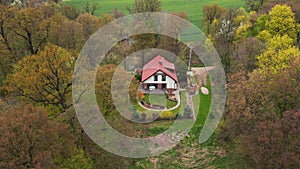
<point>193,8</point>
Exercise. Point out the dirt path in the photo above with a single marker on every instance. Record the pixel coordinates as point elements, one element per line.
<point>190,104</point>
<point>201,73</point>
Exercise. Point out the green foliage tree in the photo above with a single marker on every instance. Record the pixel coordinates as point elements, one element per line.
<point>78,160</point>
<point>260,24</point>
<point>91,8</point>
<point>253,5</point>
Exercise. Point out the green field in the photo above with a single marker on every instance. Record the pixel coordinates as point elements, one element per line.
<point>192,7</point>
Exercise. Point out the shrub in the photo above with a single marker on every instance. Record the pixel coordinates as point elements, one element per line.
<point>135,116</point>
<point>171,103</point>
<point>144,116</point>
<point>138,77</point>
<point>167,115</point>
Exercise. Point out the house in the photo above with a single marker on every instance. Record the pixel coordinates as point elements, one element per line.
<point>159,73</point>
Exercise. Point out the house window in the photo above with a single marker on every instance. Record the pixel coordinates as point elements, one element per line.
<point>163,78</point>
<point>155,78</point>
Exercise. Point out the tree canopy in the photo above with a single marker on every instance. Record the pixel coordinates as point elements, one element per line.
<point>45,77</point>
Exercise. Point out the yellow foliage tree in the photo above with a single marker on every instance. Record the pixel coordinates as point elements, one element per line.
<point>282,21</point>
<point>45,77</point>
<point>278,54</point>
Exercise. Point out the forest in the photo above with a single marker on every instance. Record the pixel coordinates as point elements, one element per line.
<point>258,45</point>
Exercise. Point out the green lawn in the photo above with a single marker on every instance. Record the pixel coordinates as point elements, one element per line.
<point>192,7</point>
<point>156,99</point>
<point>204,106</point>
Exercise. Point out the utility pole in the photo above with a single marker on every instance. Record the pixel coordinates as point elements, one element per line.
<point>191,50</point>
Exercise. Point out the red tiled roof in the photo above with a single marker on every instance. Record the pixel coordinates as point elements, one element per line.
<point>159,64</point>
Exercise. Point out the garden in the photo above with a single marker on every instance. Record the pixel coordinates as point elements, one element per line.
<point>169,110</point>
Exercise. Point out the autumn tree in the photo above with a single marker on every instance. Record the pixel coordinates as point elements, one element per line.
<point>6,2</point>
<point>244,54</point>
<point>278,140</point>
<point>117,13</point>
<point>45,77</point>
<point>89,23</point>
<point>70,11</point>
<point>6,40</point>
<point>212,13</point>
<point>66,33</point>
<point>258,111</point>
<point>104,85</point>
<point>222,24</point>
<point>28,139</point>
<point>141,6</point>
<point>7,55</point>
<point>30,26</point>
<point>105,19</point>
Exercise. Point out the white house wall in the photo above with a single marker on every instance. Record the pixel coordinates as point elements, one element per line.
<point>171,84</point>
<point>150,80</point>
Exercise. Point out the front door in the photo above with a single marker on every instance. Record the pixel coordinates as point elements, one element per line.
<point>164,86</point>
<point>159,86</point>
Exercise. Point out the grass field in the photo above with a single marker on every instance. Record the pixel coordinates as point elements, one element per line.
<point>192,7</point>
